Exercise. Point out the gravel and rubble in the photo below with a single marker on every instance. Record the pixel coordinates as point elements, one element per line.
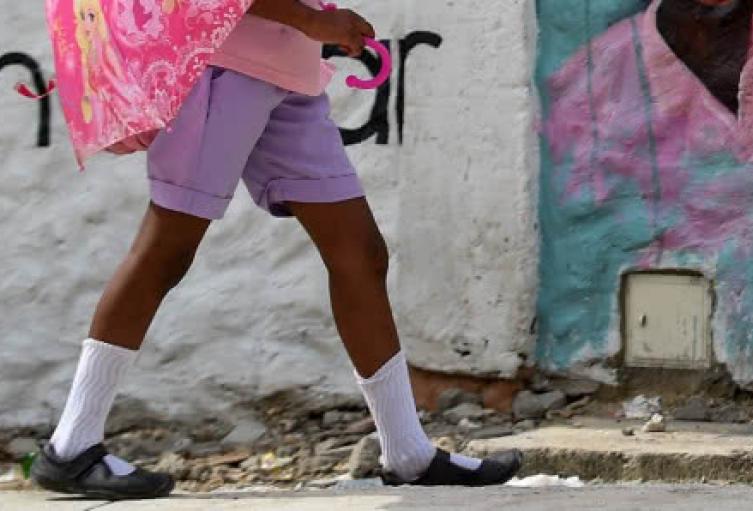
<point>289,441</point>
<point>300,447</point>
<point>293,441</point>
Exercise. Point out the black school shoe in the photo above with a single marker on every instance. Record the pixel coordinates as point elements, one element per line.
<point>442,472</point>
<point>89,475</point>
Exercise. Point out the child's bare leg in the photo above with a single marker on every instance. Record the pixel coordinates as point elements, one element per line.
<point>356,258</point>
<point>158,260</point>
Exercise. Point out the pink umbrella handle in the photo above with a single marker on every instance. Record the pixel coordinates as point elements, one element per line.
<point>353,81</point>
<point>384,74</point>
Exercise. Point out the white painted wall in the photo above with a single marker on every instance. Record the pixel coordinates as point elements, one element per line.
<point>455,203</point>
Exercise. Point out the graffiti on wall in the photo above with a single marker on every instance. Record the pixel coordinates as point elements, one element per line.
<point>647,163</point>
<point>377,125</point>
<point>38,79</point>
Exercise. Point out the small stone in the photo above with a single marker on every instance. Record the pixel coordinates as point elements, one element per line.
<point>207,449</point>
<point>20,447</point>
<point>528,405</point>
<point>269,462</point>
<point>172,464</point>
<point>320,403</point>
<point>453,397</point>
<point>730,413</point>
<point>554,400</point>
<point>564,414</point>
<point>286,451</point>
<point>446,443</point>
<point>334,456</point>
<point>11,478</point>
<point>319,465</point>
<point>325,445</point>
<point>695,409</point>
<point>498,419</point>
<point>490,432</point>
<point>577,388</point>
<point>656,424</point>
<point>335,417</point>
<point>642,407</point>
<point>198,472</point>
<point>464,411</point>
<point>288,425</point>
<point>570,410</point>
<point>364,460</point>
<point>361,427</point>
<point>425,417</point>
<point>252,463</point>
<point>628,431</point>
<point>540,383</point>
<point>575,406</point>
<point>525,425</point>
<point>245,433</point>
<point>327,455</point>
<point>230,458</point>
<point>321,484</point>
<point>467,424</point>
<point>182,445</point>
<point>292,438</point>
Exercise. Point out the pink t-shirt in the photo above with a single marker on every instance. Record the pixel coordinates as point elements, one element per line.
<point>277,54</point>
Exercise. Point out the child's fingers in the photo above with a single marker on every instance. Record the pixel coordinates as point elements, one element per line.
<point>353,51</point>
<point>367,29</point>
<point>355,43</point>
<point>364,27</point>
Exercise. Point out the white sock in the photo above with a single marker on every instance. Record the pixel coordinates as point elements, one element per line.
<point>406,450</point>
<point>100,370</point>
<point>465,461</point>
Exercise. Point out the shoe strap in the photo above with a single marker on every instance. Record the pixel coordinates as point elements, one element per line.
<point>85,460</point>
<point>442,471</point>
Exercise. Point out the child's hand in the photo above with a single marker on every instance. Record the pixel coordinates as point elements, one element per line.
<point>342,27</point>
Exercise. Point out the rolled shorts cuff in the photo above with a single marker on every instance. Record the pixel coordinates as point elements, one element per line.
<point>320,190</point>
<point>186,200</point>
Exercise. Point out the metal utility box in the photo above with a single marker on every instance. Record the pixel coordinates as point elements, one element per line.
<point>667,321</point>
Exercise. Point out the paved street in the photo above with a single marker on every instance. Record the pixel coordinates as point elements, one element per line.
<point>612,498</point>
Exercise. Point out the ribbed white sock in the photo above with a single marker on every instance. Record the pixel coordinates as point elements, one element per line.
<point>100,371</point>
<point>406,450</point>
<point>465,461</point>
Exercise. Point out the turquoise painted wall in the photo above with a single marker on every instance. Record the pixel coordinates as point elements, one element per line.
<point>641,168</point>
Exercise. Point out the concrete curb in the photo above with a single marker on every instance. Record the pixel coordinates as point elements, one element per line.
<point>609,456</point>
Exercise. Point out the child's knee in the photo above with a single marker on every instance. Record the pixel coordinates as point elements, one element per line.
<point>360,258</point>
<point>168,266</point>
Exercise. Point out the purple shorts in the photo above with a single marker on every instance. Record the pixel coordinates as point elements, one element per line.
<point>283,145</point>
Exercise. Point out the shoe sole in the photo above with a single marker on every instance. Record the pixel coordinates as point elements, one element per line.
<point>514,469</point>
<point>73,489</point>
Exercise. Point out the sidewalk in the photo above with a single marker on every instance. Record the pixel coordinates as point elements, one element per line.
<point>599,450</point>
<point>612,498</point>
